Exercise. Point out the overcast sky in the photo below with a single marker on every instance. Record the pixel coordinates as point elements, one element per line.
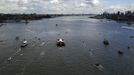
<point>65,6</point>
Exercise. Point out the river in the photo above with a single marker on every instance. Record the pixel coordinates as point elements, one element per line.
<point>84,47</point>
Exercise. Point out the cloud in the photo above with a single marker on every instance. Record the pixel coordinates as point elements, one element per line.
<point>49,6</point>
<point>60,6</point>
<point>93,2</point>
<point>23,3</point>
<point>83,5</point>
<point>54,1</point>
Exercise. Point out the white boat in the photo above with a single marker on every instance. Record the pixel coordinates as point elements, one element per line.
<point>60,42</point>
<point>24,43</point>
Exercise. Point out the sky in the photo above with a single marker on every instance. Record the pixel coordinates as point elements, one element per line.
<point>65,6</point>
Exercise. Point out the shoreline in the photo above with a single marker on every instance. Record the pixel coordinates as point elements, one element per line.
<point>20,18</point>
<point>129,22</point>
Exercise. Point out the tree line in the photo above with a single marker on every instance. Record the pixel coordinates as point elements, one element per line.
<point>20,17</point>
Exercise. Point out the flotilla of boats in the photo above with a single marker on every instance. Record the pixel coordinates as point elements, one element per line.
<point>60,43</point>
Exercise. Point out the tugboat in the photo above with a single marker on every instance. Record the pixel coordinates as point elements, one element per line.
<point>24,43</point>
<point>60,42</point>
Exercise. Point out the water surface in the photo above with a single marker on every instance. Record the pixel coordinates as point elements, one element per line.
<point>84,48</point>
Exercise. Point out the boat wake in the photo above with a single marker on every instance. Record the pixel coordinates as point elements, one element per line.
<point>126,27</point>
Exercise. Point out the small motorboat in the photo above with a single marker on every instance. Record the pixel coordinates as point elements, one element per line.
<point>24,43</point>
<point>120,52</point>
<point>106,42</point>
<point>99,66</point>
<point>60,42</point>
<point>56,25</point>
